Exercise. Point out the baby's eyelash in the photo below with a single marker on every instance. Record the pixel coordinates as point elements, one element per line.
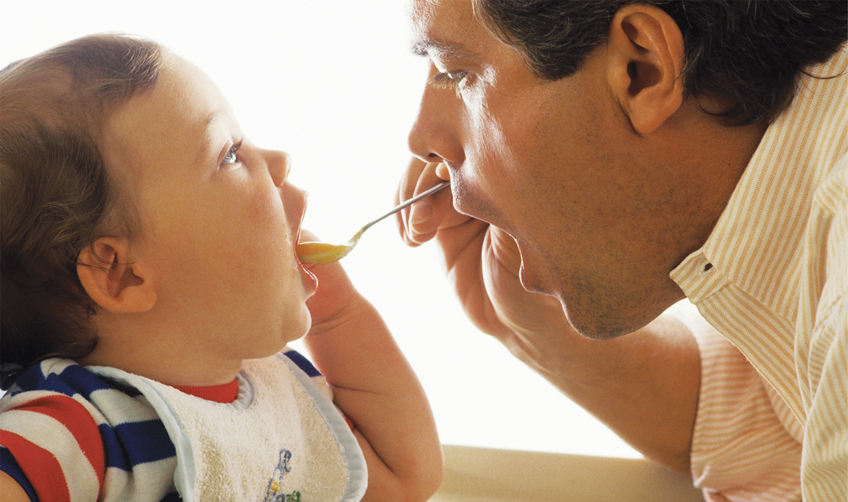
<point>232,152</point>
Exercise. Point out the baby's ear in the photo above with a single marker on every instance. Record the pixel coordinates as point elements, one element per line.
<point>112,280</point>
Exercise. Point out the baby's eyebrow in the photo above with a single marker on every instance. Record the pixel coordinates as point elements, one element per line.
<point>204,145</point>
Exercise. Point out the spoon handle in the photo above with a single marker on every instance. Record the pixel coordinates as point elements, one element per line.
<point>409,202</point>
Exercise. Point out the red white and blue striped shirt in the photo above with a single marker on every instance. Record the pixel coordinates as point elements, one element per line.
<point>67,434</point>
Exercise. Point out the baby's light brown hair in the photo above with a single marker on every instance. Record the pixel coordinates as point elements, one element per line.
<point>56,195</point>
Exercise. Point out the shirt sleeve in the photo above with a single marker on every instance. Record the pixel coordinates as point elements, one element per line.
<point>52,447</point>
<point>825,466</point>
<point>746,444</point>
<point>821,343</point>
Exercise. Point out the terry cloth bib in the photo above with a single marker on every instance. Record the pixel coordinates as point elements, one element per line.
<point>281,440</point>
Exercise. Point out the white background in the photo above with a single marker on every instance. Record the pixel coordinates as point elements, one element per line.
<point>333,83</point>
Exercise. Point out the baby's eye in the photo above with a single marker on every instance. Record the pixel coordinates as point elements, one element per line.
<point>232,155</point>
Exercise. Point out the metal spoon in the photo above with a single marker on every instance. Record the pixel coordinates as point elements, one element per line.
<point>321,253</point>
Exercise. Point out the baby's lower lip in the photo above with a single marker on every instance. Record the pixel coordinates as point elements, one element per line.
<point>309,279</point>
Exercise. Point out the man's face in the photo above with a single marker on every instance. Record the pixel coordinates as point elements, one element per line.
<point>554,163</point>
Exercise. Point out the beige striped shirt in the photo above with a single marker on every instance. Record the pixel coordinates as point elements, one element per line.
<point>772,278</point>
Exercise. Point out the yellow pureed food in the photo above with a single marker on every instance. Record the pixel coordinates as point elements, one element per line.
<point>321,253</point>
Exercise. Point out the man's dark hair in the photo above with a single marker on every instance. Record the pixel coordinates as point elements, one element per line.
<point>749,52</point>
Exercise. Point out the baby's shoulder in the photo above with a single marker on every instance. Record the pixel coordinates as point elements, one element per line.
<point>61,376</point>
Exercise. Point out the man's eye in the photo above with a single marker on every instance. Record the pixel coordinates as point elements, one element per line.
<point>232,155</point>
<point>448,79</point>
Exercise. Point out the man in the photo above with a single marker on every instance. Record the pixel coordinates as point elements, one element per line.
<point>618,157</point>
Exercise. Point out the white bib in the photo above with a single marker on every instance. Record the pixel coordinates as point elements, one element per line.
<point>282,440</point>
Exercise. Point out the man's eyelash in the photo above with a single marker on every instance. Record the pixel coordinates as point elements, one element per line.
<point>448,80</point>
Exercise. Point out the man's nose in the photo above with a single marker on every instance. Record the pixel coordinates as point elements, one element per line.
<point>435,134</point>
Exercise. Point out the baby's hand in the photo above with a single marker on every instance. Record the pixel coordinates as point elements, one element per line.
<point>392,420</point>
<point>336,300</point>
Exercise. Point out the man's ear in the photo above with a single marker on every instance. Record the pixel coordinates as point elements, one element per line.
<point>112,280</point>
<point>646,58</point>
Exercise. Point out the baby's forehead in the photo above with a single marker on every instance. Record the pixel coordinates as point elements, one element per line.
<point>175,108</point>
<point>164,130</point>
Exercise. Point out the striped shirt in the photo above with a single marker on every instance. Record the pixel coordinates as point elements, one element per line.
<point>772,282</point>
<point>67,434</point>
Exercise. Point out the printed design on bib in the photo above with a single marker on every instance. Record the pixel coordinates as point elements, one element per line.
<point>273,493</point>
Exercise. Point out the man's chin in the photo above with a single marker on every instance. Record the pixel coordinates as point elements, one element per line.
<point>596,320</point>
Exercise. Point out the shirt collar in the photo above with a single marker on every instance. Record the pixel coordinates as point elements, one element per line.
<point>756,242</point>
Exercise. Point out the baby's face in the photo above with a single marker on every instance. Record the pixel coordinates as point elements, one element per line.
<point>218,220</point>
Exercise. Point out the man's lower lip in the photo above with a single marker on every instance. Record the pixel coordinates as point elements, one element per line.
<point>525,278</point>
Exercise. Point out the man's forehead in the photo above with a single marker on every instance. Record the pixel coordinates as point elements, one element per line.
<point>444,28</point>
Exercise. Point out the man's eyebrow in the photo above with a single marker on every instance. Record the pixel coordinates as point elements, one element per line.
<point>429,47</point>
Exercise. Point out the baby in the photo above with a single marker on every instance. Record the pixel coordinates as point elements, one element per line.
<point>149,289</point>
